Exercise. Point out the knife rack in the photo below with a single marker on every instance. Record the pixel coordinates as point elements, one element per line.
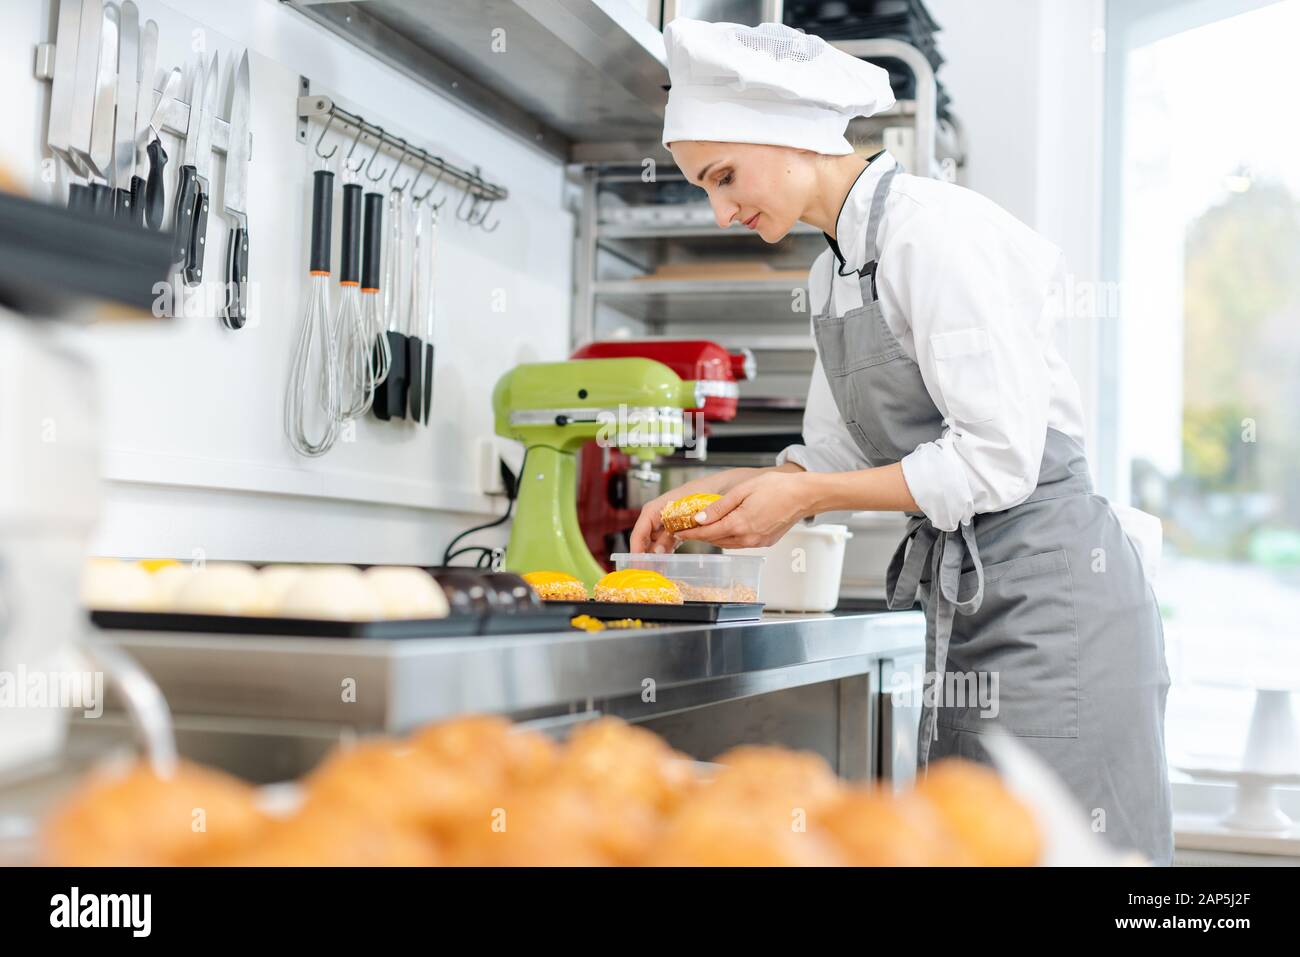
<point>323,107</point>
<point>175,119</point>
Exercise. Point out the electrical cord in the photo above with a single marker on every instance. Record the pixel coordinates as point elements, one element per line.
<point>511,483</point>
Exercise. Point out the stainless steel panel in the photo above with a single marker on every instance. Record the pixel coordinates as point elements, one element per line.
<point>400,684</point>
<point>553,72</point>
<point>900,719</point>
<point>804,718</point>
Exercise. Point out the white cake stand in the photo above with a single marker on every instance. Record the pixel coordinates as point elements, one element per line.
<point>1271,758</point>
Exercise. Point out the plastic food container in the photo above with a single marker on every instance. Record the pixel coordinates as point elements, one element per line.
<point>702,577</point>
<point>805,568</point>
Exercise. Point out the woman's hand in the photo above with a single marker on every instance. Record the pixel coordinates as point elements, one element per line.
<point>756,512</point>
<point>649,535</point>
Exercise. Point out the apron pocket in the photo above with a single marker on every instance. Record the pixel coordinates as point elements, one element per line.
<point>1019,653</point>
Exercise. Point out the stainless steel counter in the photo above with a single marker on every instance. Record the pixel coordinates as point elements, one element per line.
<point>801,680</point>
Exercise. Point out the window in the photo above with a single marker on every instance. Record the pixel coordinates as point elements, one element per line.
<point>1202,410</point>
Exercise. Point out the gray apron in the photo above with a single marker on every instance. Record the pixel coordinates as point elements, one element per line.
<point>1048,598</point>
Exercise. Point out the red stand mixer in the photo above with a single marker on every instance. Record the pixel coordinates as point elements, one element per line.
<point>611,485</point>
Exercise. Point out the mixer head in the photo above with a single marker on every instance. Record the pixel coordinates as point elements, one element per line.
<point>633,404</point>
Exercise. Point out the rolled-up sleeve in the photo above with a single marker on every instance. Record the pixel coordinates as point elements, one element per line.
<point>973,294</point>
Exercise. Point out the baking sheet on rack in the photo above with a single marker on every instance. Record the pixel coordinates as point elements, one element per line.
<point>455,626</point>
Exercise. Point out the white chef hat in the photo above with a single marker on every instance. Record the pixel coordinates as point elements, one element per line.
<point>767,84</point>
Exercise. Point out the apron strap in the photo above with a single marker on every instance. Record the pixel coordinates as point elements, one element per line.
<point>867,274</point>
<point>945,553</point>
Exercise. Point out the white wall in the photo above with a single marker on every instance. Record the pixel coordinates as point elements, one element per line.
<point>1027,82</point>
<point>195,455</point>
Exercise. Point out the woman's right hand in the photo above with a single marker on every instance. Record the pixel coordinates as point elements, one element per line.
<point>649,534</point>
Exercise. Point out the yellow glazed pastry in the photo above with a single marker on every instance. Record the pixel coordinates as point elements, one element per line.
<point>556,586</point>
<point>640,585</point>
<point>680,515</point>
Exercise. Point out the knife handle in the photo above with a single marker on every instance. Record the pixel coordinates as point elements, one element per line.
<point>198,240</point>
<point>153,192</point>
<point>122,205</point>
<point>236,313</point>
<point>137,200</point>
<point>101,200</point>
<point>187,191</point>
<point>79,198</point>
<point>428,383</point>
<point>414,375</point>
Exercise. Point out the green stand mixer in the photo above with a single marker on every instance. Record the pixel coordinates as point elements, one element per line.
<point>554,408</point>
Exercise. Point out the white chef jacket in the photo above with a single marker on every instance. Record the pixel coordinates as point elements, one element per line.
<point>972,295</point>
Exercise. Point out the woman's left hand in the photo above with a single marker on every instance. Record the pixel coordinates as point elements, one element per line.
<point>756,512</point>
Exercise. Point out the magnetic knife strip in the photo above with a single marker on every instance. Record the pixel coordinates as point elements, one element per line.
<point>175,118</point>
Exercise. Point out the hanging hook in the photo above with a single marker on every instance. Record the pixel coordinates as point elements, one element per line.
<point>379,143</point>
<point>487,209</point>
<point>417,200</point>
<point>347,160</point>
<point>442,171</point>
<point>461,205</point>
<point>396,166</point>
<point>321,139</point>
<point>471,192</point>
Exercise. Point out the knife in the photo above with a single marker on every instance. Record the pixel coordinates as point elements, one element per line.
<point>186,185</point>
<point>128,90</point>
<point>236,201</point>
<point>101,128</point>
<point>202,165</point>
<point>140,118</point>
<point>58,134</point>
<point>82,109</point>
<point>154,196</point>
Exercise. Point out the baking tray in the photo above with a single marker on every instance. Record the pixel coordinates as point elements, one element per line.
<point>456,626</point>
<point>691,611</point>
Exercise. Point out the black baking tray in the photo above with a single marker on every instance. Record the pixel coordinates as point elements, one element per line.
<point>455,626</point>
<point>691,611</point>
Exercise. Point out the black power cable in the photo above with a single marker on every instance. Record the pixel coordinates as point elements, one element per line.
<point>511,483</point>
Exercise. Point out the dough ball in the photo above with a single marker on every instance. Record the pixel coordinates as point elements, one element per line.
<point>875,829</point>
<point>794,779</point>
<point>555,825</point>
<point>712,830</point>
<point>397,782</point>
<point>168,581</point>
<point>134,817</point>
<point>334,836</point>
<point>339,593</point>
<point>982,815</point>
<point>112,585</point>
<point>407,592</point>
<point>273,583</point>
<point>627,765</point>
<point>491,749</point>
<point>220,588</point>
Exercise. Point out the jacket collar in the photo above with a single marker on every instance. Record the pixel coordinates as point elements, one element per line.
<point>849,246</point>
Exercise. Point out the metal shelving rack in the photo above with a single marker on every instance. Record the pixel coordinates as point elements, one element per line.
<point>753,313</point>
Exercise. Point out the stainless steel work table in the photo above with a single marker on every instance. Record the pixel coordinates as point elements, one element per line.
<point>267,707</point>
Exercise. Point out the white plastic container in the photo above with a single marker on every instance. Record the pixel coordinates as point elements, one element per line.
<point>803,569</point>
